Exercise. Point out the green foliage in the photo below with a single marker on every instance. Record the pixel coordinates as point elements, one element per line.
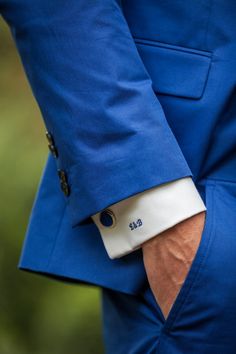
<point>37,315</point>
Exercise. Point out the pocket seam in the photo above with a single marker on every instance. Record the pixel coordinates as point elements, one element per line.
<point>180,302</point>
<point>177,48</point>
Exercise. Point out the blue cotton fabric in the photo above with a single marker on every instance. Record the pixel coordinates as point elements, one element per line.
<point>135,94</point>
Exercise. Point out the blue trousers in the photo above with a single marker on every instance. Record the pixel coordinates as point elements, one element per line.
<point>203,317</point>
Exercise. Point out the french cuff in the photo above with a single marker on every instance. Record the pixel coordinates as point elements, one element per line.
<point>125,225</point>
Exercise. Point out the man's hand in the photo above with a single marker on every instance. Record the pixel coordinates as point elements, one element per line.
<point>168,258</point>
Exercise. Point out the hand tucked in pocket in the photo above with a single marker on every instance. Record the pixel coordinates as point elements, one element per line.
<point>168,258</point>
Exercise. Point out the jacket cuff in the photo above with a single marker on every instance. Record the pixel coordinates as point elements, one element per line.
<point>125,225</point>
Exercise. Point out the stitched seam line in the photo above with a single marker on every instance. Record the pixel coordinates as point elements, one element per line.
<point>56,237</point>
<point>197,272</point>
<point>162,45</point>
<point>166,329</point>
<point>205,40</point>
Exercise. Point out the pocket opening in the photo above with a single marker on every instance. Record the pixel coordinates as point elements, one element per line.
<point>197,263</point>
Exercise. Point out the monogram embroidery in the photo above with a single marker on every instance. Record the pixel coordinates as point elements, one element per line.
<point>135,224</point>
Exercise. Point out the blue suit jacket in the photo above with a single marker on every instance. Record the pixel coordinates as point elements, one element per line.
<point>133,94</point>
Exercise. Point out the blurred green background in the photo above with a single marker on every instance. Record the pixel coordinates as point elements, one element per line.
<point>37,315</point>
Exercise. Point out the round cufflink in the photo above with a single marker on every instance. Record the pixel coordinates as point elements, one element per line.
<point>107,218</point>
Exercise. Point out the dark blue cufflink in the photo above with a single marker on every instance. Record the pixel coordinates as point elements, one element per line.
<point>107,218</point>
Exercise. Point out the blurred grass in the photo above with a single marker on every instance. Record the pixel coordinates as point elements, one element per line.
<point>37,315</point>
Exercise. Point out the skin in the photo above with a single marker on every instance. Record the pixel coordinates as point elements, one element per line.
<point>168,258</point>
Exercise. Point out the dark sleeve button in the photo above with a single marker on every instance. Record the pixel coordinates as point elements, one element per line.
<point>53,150</point>
<point>51,144</point>
<point>63,182</point>
<point>65,188</point>
<point>62,175</point>
<point>49,137</point>
<point>107,218</point>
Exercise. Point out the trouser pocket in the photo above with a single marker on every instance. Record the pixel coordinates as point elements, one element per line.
<point>198,262</point>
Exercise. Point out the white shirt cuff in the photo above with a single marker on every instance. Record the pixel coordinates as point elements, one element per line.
<point>125,225</point>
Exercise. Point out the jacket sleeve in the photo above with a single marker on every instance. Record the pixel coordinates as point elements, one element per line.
<point>105,125</point>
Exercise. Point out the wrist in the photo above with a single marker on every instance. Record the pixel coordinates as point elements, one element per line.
<point>185,227</point>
